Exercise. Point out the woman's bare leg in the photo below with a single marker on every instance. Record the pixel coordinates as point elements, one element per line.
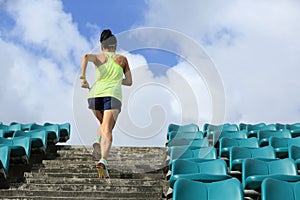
<point>109,121</point>
<point>99,116</point>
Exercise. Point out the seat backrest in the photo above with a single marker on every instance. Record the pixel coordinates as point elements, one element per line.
<point>293,126</point>
<point>183,128</point>
<point>185,152</point>
<point>272,189</point>
<point>294,152</point>
<point>254,127</point>
<point>277,142</point>
<point>235,142</point>
<point>219,190</point>
<point>185,135</point>
<point>244,152</point>
<point>189,142</point>
<point>222,127</point>
<point>269,133</point>
<point>4,157</point>
<point>253,167</point>
<point>234,134</point>
<point>216,167</point>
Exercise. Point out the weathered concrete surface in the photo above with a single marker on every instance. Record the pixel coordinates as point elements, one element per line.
<point>136,173</point>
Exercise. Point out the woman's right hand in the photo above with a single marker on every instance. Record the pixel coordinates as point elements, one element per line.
<point>85,84</point>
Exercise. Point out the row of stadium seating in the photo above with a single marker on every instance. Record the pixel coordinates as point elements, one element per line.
<point>206,160</point>
<point>22,145</point>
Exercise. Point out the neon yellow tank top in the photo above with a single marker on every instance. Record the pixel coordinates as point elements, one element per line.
<point>109,77</point>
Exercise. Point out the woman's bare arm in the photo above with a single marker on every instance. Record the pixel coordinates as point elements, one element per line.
<point>85,59</point>
<point>128,78</point>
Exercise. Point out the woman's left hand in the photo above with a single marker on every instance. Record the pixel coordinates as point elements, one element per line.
<point>85,84</point>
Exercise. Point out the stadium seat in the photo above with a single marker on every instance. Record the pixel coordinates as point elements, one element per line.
<point>195,153</point>
<point>184,135</point>
<point>264,136</point>
<point>281,145</point>
<point>8,131</point>
<point>294,153</point>
<point>38,138</point>
<point>294,129</point>
<point>4,160</point>
<point>22,127</point>
<point>185,189</point>
<point>215,136</point>
<point>189,142</point>
<point>204,171</point>
<point>272,189</point>
<point>227,143</point>
<point>280,126</point>
<point>20,148</point>
<point>221,128</point>
<point>64,131</point>
<point>255,171</point>
<point>239,154</point>
<point>183,128</point>
<point>253,128</point>
<point>52,130</point>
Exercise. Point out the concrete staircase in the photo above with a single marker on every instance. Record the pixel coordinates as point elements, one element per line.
<point>136,173</point>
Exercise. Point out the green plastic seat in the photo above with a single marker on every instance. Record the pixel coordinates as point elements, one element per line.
<point>20,148</point>
<point>227,143</point>
<point>38,138</point>
<point>252,129</point>
<point>191,153</point>
<point>185,189</point>
<point>272,189</point>
<point>215,136</point>
<point>265,135</point>
<point>189,142</point>
<point>22,127</point>
<point>64,131</point>
<point>4,159</point>
<point>238,155</point>
<point>183,128</point>
<point>220,128</point>
<point>294,153</point>
<point>184,135</point>
<point>204,171</point>
<point>255,171</point>
<point>53,131</point>
<point>281,145</point>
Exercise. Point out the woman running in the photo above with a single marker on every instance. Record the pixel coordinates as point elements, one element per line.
<point>105,96</point>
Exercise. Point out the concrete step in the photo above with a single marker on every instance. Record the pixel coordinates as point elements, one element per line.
<point>145,176</point>
<point>74,198</point>
<point>136,173</point>
<point>27,194</point>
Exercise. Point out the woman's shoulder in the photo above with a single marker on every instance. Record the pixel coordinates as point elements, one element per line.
<point>121,60</point>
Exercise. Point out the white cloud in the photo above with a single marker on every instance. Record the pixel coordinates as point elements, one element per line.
<point>40,59</point>
<point>255,47</point>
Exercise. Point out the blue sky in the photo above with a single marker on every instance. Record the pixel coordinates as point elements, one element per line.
<point>252,45</point>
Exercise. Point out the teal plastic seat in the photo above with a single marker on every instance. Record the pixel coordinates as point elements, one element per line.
<point>194,153</point>
<point>183,128</point>
<point>264,136</point>
<point>239,154</point>
<point>255,171</point>
<point>215,136</point>
<point>20,148</point>
<point>272,189</point>
<point>7,130</point>
<point>252,129</point>
<point>185,189</point>
<point>221,128</point>
<point>280,126</point>
<point>4,159</point>
<point>38,139</point>
<point>53,132</point>
<point>204,171</point>
<point>64,131</point>
<point>189,142</point>
<point>294,153</point>
<point>22,127</point>
<point>184,135</point>
<point>281,145</point>
<point>227,143</point>
<point>294,129</point>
